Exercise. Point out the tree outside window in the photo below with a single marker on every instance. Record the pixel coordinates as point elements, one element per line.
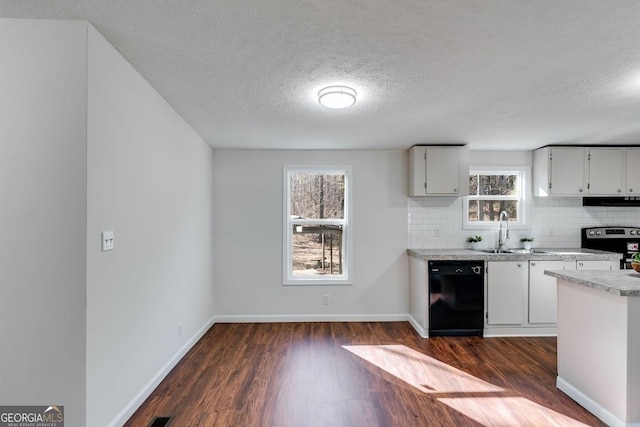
<point>491,192</point>
<point>316,225</point>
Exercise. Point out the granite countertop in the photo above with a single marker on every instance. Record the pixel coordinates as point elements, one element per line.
<point>562,254</point>
<point>624,283</point>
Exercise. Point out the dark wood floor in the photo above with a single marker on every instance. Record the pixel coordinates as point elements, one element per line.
<point>361,374</point>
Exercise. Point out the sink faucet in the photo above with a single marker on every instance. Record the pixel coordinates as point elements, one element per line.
<point>503,229</point>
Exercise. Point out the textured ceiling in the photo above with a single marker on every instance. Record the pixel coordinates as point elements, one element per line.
<point>495,74</point>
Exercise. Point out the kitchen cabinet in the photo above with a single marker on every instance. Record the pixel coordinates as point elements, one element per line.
<point>632,186</point>
<point>419,296</point>
<point>506,284</point>
<point>543,292</point>
<point>560,171</point>
<point>438,171</point>
<point>606,171</point>
<point>586,171</point>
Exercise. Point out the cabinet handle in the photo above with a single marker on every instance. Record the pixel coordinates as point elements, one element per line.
<point>619,190</point>
<point>581,264</point>
<point>533,264</point>
<point>455,190</point>
<point>631,190</point>
<point>580,190</point>
<point>519,265</point>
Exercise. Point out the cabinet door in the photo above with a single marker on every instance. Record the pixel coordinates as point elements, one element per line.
<point>567,171</point>
<point>417,171</point>
<point>543,292</point>
<point>506,282</point>
<point>633,171</point>
<point>443,170</point>
<point>438,171</point>
<point>606,171</point>
<point>593,265</point>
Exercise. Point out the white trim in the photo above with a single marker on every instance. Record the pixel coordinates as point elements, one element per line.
<point>520,331</point>
<point>419,329</point>
<point>591,405</point>
<point>332,280</point>
<point>153,383</point>
<point>284,318</point>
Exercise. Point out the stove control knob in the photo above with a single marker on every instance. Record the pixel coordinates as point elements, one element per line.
<point>591,232</point>
<point>632,232</point>
<point>598,233</point>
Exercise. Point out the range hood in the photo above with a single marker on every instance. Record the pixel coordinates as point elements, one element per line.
<point>611,201</point>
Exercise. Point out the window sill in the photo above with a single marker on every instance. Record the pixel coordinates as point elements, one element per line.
<point>318,282</point>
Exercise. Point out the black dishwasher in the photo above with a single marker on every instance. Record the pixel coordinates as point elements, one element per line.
<point>456,298</point>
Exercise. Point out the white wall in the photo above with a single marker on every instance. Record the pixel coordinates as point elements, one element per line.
<point>43,214</point>
<point>554,222</point>
<point>248,238</point>
<point>150,181</point>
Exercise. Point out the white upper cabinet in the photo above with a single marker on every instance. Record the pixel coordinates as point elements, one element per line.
<point>438,171</point>
<point>586,171</point>
<point>633,172</point>
<point>560,171</point>
<point>606,171</point>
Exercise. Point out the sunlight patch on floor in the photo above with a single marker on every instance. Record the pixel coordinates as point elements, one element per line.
<point>431,376</point>
<point>508,411</point>
<point>421,371</point>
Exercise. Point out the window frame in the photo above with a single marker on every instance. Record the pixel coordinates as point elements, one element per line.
<point>522,201</point>
<point>288,278</point>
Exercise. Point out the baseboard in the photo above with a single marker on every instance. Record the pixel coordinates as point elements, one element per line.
<point>139,399</point>
<point>515,331</point>
<point>419,329</point>
<point>591,405</point>
<point>312,318</point>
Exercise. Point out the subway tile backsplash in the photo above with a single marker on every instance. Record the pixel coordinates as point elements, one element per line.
<point>436,222</point>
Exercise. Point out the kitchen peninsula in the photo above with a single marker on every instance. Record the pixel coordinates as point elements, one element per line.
<point>599,342</point>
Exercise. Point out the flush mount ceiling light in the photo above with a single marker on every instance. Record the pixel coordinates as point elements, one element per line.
<point>337,97</point>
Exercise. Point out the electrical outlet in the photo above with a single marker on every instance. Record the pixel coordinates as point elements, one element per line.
<point>552,232</point>
<point>107,241</point>
<point>326,300</point>
<point>179,329</point>
<point>436,232</point>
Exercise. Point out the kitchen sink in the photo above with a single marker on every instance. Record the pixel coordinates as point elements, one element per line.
<point>521,251</point>
<point>563,253</point>
<point>529,251</point>
<point>496,251</point>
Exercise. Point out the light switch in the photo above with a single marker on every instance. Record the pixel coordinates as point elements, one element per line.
<point>107,241</point>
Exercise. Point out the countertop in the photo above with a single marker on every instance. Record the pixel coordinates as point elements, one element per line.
<point>563,254</point>
<point>625,283</point>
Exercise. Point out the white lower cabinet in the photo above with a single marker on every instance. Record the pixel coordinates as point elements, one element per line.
<point>506,284</point>
<point>522,300</point>
<point>543,292</point>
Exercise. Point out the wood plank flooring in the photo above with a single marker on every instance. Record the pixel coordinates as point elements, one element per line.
<point>361,374</point>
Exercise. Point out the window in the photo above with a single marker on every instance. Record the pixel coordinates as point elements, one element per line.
<point>316,226</point>
<point>494,191</point>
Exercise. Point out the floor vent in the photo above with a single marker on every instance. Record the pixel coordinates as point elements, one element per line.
<point>160,422</point>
